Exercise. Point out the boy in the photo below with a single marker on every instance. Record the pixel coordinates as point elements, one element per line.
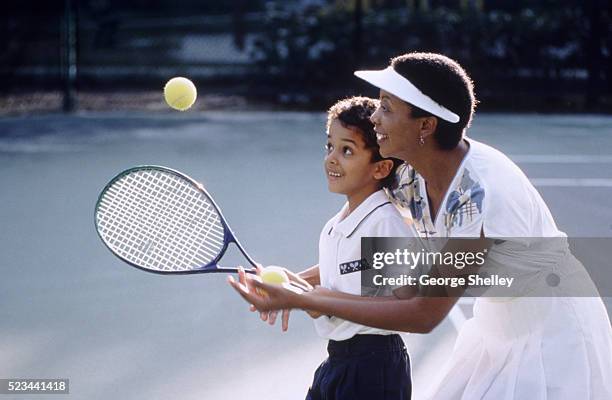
<point>363,362</point>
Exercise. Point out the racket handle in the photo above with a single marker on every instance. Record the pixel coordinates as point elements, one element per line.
<point>295,288</point>
<point>299,286</point>
<point>291,285</point>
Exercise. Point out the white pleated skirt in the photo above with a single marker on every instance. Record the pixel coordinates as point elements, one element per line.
<point>554,348</point>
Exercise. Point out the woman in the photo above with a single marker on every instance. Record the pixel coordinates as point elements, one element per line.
<point>547,347</point>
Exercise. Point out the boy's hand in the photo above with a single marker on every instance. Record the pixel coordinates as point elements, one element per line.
<point>270,316</point>
<point>313,314</point>
<point>278,297</point>
<point>266,316</point>
<point>293,277</point>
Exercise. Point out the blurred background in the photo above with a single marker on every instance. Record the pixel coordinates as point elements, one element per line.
<point>530,55</point>
<point>81,100</point>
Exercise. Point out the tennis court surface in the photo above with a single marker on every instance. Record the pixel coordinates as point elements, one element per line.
<point>69,309</point>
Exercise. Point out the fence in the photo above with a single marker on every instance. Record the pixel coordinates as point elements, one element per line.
<point>534,57</point>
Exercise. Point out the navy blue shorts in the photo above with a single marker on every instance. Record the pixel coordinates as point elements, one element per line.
<point>372,367</point>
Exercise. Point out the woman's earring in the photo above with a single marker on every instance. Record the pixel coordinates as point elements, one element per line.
<point>421,140</point>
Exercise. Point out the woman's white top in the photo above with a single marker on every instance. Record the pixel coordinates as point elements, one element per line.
<point>549,347</point>
<point>489,193</point>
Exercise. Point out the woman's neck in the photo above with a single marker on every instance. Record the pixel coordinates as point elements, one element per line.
<point>439,167</point>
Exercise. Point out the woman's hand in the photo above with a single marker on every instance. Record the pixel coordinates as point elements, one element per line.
<point>246,281</point>
<point>266,316</point>
<point>277,297</point>
<point>271,316</point>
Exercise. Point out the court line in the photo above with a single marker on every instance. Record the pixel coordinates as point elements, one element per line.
<point>572,182</point>
<point>561,158</point>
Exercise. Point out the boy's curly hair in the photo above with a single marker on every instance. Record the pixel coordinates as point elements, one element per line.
<point>354,113</point>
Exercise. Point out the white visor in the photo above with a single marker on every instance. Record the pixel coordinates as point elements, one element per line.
<point>392,82</point>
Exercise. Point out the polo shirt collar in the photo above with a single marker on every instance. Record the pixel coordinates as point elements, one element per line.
<point>349,225</point>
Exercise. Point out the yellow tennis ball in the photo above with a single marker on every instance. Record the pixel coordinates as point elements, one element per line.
<point>273,275</point>
<point>180,93</point>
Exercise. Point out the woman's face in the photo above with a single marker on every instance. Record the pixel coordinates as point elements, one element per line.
<point>397,132</point>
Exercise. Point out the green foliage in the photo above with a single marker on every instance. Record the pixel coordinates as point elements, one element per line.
<point>532,45</point>
<point>297,47</point>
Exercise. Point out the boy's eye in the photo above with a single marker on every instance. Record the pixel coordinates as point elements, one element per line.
<point>347,151</point>
<point>328,148</point>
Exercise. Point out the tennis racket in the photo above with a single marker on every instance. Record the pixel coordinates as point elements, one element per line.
<point>161,220</point>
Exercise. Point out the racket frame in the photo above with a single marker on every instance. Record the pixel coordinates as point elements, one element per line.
<point>228,234</point>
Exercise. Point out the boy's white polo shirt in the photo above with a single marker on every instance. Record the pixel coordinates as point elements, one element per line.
<point>340,255</point>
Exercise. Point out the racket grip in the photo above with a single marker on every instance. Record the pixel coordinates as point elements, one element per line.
<point>294,287</point>
<point>299,286</point>
<point>291,285</point>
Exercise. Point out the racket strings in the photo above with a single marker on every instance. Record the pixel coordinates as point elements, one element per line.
<point>160,221</point>
<point>160,216</point>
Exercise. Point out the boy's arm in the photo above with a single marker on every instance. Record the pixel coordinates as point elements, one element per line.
<point>311,275</point>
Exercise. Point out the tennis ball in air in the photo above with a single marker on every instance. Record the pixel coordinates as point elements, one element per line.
<point>180,93</point>
<point>273,275</point>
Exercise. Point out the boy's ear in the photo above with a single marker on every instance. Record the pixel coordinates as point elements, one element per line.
<point>383,169</point>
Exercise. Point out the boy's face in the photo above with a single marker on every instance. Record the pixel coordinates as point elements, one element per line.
<point>348,164</point>
<point>397,132</point>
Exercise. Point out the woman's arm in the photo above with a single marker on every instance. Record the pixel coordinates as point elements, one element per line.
<point>418,314</point>
<point>402,312</point>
